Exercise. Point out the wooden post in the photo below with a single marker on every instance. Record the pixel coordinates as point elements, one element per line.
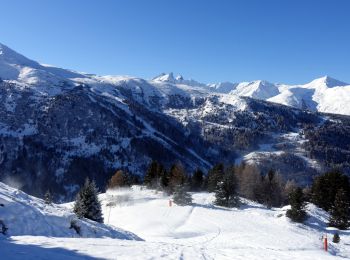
<point>325,244</point>
<point>170,203</point>
<point>110,205</point>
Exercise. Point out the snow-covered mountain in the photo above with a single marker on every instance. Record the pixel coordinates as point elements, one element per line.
<point>14,66</point>
<point>325,94</point>
<point>58,126</point>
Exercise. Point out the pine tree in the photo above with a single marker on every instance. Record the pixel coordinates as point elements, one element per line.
<point>326,186</point>
<point>220,194</point>
<point>336,238</point>
<point>151,175</point>
<point>48,197</point>
<point>226,191</point>
<point>215,175</point>
<point>197,180</point>
<point>181,197</point>
<point>340,211</point>
<point>164,178</point>
<point>155,176</point>
<point>297,212</point>
<point>87,204</point>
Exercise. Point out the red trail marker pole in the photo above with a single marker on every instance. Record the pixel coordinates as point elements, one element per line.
<point>325,243</point>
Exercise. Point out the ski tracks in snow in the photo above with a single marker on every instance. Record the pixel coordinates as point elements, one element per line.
<point>197,249</point>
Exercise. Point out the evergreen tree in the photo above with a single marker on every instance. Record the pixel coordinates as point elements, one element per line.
<point>226,191</point>
<point>48,197</point>
<point>340,211</point>
<point>325,187</point>
<point>181,197</point>
<point>297,212</point>
<point>215,175</point>
<point>336,238</point>
<point>165,178</point>
<point>197,180</point>
<point>87,204</point>
<point>155,176</point>
<point>151,175</point>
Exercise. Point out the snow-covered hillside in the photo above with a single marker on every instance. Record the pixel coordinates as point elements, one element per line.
<point>200,231</point>
<point>204,231</point>
<point>26,215</point>
<point>324,95</point>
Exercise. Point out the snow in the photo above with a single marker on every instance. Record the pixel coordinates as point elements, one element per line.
<point>327,81</point>
<point>280,144</point>
<point>237,102</point>
<point>257,89</point>
<point>199,231</point>
<point>82,147</point>
<point>179,79</point>
<point>335,100</point>
<point>163,77</point>
<point>27,215</point>
<point>223,87</point>
<point>324,94</point>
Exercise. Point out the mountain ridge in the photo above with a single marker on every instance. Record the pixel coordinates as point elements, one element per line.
<point>327,90</point>
<point>58,127</point>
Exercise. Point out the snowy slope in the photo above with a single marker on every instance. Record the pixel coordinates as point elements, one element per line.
<point>27,215</point>
<point>200,231</point>
<point>257,89</point>
<point>324,95</point>
<point>204,231</point>
<point>14,66</point>
<point>223,87</point>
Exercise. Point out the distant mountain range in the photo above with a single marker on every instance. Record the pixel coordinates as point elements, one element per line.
<point>324,94</point>
<point>58,126</point>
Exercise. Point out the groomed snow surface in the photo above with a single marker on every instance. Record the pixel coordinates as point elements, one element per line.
<point>200,231</point>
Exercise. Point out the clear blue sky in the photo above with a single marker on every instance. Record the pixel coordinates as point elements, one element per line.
<point>291,41</point>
